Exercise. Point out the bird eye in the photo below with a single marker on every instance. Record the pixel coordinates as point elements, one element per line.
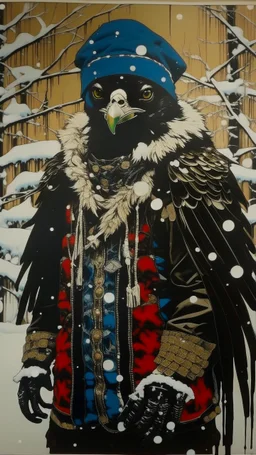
<point>147,94</point>
<point>97,93</point>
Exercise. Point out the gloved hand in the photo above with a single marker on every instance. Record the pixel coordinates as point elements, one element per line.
<point>155,407</point>
<point>30,392</point>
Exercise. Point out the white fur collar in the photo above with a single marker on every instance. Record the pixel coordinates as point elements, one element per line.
<point>74,139</point>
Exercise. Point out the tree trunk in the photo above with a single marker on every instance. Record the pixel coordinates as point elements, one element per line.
<point>233,97</point>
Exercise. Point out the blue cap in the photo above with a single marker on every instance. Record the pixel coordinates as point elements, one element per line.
<point>127,47</point>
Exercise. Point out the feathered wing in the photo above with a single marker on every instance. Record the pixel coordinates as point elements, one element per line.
<point>43,250</point>
<point>217,235</point>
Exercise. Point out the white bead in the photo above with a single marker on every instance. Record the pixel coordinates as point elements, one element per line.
<point>91,174</point>
<point>197,250</point>
<point>108,365</point>
<point>109,297</point>
<point>98,187</point>
<point>119,378</point>
<point>87,340</point>
<point>156,204</point>
<point>193,299</point>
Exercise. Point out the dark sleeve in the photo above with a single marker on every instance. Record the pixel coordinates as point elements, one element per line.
<point>188,342</point>
<point>41,258</point>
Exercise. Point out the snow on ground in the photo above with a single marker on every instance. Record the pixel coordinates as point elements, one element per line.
<point>24,181</point>
<point>17,214</point>
<point>41,150</point>
<point>13,241</point>
<point>18,435</point>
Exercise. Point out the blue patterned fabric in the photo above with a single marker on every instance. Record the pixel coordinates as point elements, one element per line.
<point>108,342</point>
<point>124,47</point>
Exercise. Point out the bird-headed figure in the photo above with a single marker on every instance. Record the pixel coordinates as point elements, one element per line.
<point>141,265</point>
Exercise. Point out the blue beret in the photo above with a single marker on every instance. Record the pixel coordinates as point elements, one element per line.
<point>125,47</point>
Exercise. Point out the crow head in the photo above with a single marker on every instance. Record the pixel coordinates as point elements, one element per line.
<point>126,110</point>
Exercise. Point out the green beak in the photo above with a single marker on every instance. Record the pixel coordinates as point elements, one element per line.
<point>116,114</point>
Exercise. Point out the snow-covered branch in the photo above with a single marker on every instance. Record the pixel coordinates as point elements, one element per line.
<point>18,214</point>
<point>237,32</point>
<point>29,75</point>
<point>41,150</point>
<point>25,39</point>
<point>18,18</point>
<point>24,181</point>
<point>40,113</point>
<point>241,119</point>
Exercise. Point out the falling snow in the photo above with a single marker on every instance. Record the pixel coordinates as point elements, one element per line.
<point>212,256</point>
<point>141,188</point>
<point>158,439</point>
<point>141,50</point>
<point>156,204</point>
<point>228,225</point>
<point>108,365</point>
<point>237,271</point>
<point>170,426</point>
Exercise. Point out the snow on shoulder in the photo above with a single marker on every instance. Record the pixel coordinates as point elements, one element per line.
<point>41,150</point>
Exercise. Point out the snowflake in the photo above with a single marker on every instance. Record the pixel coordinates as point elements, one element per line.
<point>141,50</point>
<point>156,204</point>
<point>247,162</point>
<point>228,225</point>
<point>212,256</point>
<point>179,17</point>
<point>133,68</point>
<point>237,271</point>
<point>108,365</point>
<point>158,439</point>
<point>170,426</point>
<point>141,188</point>
<point>163,79</point>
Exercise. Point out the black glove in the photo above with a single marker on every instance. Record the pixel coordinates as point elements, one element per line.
<point>30,392</point>
<point>154,414</point>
